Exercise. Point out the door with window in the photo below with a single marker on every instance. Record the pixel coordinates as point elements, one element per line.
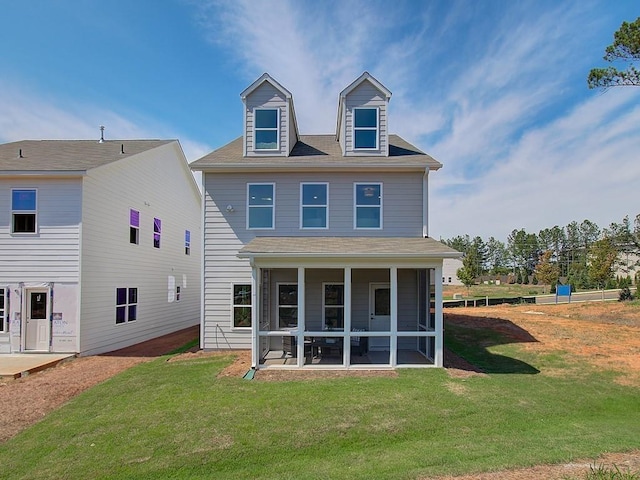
<point>379,314</point>
<point>37,326</point>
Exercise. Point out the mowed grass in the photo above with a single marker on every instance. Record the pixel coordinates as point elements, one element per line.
<point>177,420</point>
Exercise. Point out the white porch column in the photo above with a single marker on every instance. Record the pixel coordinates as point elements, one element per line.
<point>393,341</point>
<point>439,353</point>
<point>255,315</point>
<point>301,322</point>
<point>347,317</point>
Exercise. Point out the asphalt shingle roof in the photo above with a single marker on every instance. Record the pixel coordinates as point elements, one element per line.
<point>347,247</point>
<point>320,151</point>
<point>68,155</point>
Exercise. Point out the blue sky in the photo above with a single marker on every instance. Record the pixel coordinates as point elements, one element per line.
<point>495,90</point>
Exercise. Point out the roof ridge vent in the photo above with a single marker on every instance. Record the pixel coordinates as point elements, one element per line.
<point>101,134</point>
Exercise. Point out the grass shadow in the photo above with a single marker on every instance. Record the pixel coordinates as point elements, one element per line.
<point>471,337</point>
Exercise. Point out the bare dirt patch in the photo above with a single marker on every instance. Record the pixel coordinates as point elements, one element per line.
<point>605,335</point>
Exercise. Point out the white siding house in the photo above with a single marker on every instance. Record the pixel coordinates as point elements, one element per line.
<point>450,267</point>
<point>317,254</point>
<point>99,244</point>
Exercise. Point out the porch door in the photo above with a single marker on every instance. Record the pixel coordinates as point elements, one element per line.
<point>379,314</point>
<point>37,326</point>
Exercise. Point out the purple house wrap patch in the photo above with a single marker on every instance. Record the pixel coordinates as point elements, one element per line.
<point>157,230</point>
<point>134,218</point>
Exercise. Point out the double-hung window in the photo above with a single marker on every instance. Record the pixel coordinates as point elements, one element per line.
<point>134,226</point>
<point>314,205</point>
<point>4,323</point>
<point>126,305</point>
<point>187,242</point>
<point>368,205</point>
<point>24,211</point>
<point>241,305</point>
<point>287,305</point>
<point>260,205</point>
<point>365,128</point>
<point>333,306</point>
<point>266,131</point>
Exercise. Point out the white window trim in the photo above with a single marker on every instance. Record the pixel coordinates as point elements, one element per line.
<point>326,206</point>
<point>355,206</point>
<point>263,129</point>
<point>376,128</point>
<point>35,212</point>
<point>278,306</point>
<point>233,306</point>
<point>272,206</point>
<point>324,305</point>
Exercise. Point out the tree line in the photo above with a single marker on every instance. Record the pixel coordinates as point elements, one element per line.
<point>581,254</point>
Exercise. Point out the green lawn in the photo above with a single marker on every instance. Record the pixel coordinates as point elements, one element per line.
<point>174,420</point>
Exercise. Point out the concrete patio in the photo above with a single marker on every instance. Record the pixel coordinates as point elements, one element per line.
<point>15,365</point>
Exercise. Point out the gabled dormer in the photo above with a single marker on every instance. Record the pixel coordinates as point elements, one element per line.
<point>362,127</point>
<point>270,126</point>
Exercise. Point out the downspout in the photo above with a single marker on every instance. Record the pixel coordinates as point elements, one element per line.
<point>255,286</point>
<point>202,258</point>
<point>425,203</point>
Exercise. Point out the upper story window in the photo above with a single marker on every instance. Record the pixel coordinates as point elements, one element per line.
<point>368,205</point>
<point>260,205</point>
<point>134,226</point>
<point>187,242</point>
<point>23,211</point>
<point>266,132</point>
<point>314,205</point>
<point>157,231</point>
<point>365,128</point>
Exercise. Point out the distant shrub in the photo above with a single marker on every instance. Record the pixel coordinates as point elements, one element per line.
<point>625,295</point>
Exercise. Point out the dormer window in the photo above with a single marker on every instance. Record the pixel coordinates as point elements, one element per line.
<point>266,129</point>
<point>365,128</point>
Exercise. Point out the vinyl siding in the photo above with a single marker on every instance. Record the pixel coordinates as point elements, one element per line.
<point>158,184</point>
<point>226,232</point>
<point>402,204</point>
<point>266,96</point>
<point>51,255</point>
<point>366,95</point>
<point>223,234</point>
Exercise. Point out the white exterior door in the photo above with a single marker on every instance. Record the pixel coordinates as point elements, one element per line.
<point>379,314</point>
<point>37,326</point>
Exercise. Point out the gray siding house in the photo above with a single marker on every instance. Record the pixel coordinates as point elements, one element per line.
<point>316,247</point>
<point>99,244</point>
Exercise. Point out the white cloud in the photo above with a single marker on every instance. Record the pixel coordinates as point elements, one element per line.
<point>492,96</point>
<point>28,115</point>
<point>580,166</point>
